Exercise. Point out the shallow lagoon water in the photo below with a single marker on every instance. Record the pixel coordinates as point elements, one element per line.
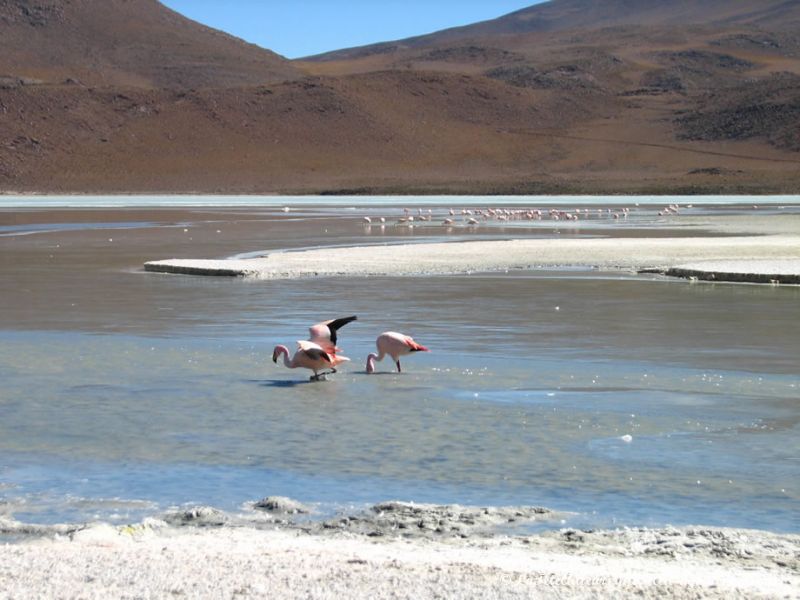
<point>127,393</point>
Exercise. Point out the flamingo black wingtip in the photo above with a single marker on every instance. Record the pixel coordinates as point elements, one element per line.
<point>339,323</point>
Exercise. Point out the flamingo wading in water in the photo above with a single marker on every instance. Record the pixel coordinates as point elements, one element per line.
<point>319,352</point>
<point>395,345</point>
<point>309,356</point>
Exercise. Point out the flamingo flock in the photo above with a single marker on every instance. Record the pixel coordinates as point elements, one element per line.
<point>321,355</point>
<point>474,216</point>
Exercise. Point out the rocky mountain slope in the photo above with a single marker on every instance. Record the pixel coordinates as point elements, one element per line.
<point>591,15</point>
<point>566,96</point>
<point>125,43</point>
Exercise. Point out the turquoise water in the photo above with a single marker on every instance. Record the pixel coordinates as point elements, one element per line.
<point>126,393</point>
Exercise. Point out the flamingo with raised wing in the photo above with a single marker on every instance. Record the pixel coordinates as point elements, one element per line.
<point>395,345</point>
<point>325,333</point>
<point>319,352</point>
<point>309,356</point>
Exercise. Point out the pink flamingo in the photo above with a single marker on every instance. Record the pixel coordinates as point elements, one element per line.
<point>319,352</point>
<point>324,334</point>
<point>395,345</point>
<point>309,356</point>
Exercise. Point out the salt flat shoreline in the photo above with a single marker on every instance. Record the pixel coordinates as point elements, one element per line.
<point>755,248</point>
<point>776,254</point>
<point>153,562</point>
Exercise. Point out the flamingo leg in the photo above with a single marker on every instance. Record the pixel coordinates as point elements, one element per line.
<point>399,370</point>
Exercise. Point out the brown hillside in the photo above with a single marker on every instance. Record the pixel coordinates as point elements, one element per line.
<point>570,15</point>
<point>665,72</point>
<point>665,103</point>
<point>125,42</point>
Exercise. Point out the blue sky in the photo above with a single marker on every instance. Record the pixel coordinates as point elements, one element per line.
<point>301,28</point>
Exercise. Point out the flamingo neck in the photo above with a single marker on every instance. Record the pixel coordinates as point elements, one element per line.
<point>372,358</point>
<point>284,351</point>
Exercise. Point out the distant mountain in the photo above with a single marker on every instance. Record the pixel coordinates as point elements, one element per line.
<point>562,15</point>
<point>570,96</point>
<point>568,15</point>
<point>126,42</point>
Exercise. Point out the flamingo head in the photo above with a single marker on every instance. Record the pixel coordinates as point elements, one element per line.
<point>371,363</point>
<point>277,352</point>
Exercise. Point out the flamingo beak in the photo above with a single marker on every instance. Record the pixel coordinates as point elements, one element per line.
<point>275,356</point>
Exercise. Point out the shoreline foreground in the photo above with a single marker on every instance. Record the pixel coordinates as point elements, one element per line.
<point>156,561</point>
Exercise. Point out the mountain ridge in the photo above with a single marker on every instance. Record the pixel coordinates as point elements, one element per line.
<point>128,96</point>
<point>139,43</point>
<point>564,15</point>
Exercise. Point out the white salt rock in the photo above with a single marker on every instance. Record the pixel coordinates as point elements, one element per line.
<point>101,534</point>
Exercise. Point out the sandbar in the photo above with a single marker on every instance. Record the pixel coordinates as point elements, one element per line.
<point>774,272</point>
<point>443,258</point>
